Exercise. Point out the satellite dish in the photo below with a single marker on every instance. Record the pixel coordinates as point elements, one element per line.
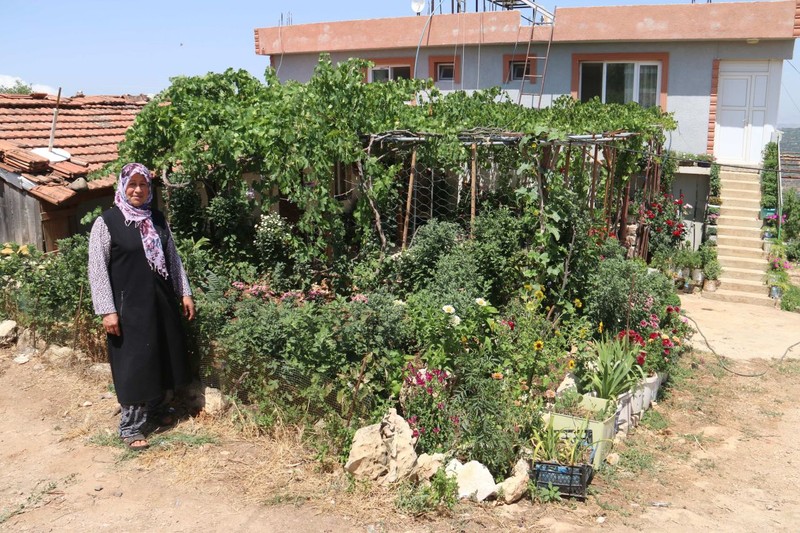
<point>417,6</point>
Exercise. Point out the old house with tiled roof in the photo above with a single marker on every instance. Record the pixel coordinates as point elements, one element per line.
<point>46,189</point>
<point>716,66</point>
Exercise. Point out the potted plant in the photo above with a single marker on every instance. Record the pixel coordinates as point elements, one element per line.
<point>561,459</point>
<point>616,375</point>
<point>715,201</point>
<point>573,411</point>
<point>712,270</point>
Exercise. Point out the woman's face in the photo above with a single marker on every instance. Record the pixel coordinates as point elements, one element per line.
<point>137,190</point>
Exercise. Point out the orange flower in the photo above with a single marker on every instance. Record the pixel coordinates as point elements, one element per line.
<point>497,375</point>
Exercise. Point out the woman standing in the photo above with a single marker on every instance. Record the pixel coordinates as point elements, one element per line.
<point>136,278</point>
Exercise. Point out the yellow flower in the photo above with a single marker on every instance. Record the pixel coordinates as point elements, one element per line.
<point>578,303</point>
<point>538,345</point>
<point>539,295</point>
<point>528,286</point>
<point>664,336</point>
<point>558,333</point>
<point>6,251</point>
<point>571,364</point>
<point>23,250</point>
<point>600,328</point>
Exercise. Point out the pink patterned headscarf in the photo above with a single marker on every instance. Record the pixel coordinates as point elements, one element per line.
<point>141,217</point>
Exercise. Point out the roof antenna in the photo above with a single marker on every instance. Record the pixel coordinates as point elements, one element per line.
<point>54,155</point>
<point>55,120</point>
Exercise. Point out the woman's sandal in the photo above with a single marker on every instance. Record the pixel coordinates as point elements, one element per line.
<point>166,417</point>
<point>136,443</point>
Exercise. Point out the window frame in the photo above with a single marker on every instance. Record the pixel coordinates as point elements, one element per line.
<point>389,63</point>
<point>509,59</point>
<point>433,68</point>
<point>659,58</point>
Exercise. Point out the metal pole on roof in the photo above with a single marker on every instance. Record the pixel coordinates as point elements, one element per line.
<point>55,119</point>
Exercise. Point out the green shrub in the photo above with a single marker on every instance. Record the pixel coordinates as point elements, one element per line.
<point>431,242</point>
<point>790,301</point>
<point>622,293</point>
<point>769,176</point>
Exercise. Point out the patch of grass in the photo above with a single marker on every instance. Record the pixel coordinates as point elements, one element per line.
<point>770,414</point>
<point>636,460</point>
<point>440,495</point>
<point>173,439</point>
<point>107,438</point>
<point>281,499</point>
<point>698,438</point>
<point>654,420</point>
<point>37,497</point>
<point>790,367</point>
<point>706,465</point>
<point>612,508</point>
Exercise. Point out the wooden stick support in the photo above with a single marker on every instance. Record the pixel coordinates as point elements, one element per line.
<point>473,189</point>
<point>410,196</point>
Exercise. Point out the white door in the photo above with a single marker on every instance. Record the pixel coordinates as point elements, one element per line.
<point>744,108</point>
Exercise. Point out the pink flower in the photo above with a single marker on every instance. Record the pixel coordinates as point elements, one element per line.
<point>436,430</point>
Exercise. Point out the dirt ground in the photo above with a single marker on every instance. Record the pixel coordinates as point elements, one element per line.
<point>715,454</point>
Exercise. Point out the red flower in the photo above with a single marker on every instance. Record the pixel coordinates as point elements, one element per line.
<point>670,223</point>
<point>677,233</point>
<point>640,359</point>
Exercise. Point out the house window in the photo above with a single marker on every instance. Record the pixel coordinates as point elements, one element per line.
<point>445,68</point>
<point>390,73</point>
<point>518,67</point>
<point>617,82</point>
<point>445,72</point>
<point>519,70</point>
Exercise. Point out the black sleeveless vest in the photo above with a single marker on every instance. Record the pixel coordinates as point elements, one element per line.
<point>150,355</point>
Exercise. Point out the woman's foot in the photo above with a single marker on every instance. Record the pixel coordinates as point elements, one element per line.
<point>136,443</point>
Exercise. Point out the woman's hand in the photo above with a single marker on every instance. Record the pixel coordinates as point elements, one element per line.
<point>188,307</point>
<point>111,324</point>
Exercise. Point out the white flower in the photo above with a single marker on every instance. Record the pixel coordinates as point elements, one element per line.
<point>449,309</point>
<point>455,320</point>
<point>481,302</point>
<point>399,303</point>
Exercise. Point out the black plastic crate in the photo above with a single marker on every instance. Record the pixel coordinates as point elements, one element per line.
<point>571,481</point>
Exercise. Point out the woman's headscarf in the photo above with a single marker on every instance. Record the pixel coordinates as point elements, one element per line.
<point>141,217</point>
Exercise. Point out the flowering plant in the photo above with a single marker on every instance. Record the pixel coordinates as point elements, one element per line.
<point>664,217</point>
<point>427,409</point>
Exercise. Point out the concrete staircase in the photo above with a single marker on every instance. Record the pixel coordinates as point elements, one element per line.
<point>744,264</point>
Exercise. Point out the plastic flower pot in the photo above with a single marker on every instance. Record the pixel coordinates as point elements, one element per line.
<point>638,398</point>
<point>651,384</point>
<point>697,276</point>
<point>603,431</point>
<point>624,412</point>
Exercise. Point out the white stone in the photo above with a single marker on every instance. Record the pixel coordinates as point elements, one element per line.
<point>427,465</point>
<point>21,359</point>
<point>453,467</point>
<point>100,369</point>
<point>567,384</point>
<point>8,333</point>
<point>368,457</point>
<point>513,489</point>
<point>214,401</point>
<point>612,458</point>
<point>475,482</point>
<point>59,355</point>
<point>399,442</point>
<point>25,342</point>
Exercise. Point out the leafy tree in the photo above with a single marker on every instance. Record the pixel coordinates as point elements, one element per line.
<point>18,88</point>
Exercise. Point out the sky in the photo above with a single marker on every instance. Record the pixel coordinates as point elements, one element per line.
<point>108,47</point>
